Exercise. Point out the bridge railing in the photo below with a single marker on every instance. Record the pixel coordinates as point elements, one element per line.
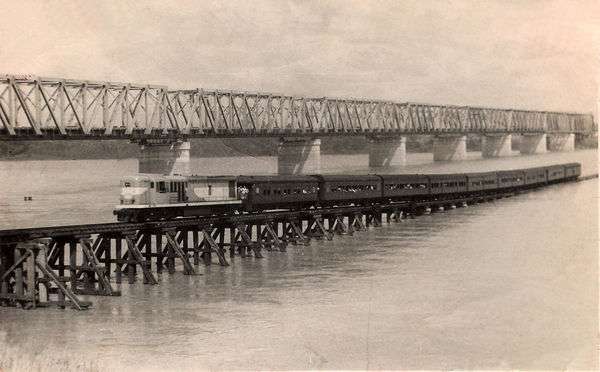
<point>35,107</point>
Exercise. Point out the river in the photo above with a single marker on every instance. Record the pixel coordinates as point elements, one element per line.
<point>510,284</point>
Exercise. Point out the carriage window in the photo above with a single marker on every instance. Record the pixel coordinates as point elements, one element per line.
<point>209,189</point>
<point>231,189</point>
<point>151,185</point>
<point>162,187</point>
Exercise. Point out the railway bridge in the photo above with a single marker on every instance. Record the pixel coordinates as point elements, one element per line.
<point>44,266</point>
<point>162,121</point>
<point>54,265</point>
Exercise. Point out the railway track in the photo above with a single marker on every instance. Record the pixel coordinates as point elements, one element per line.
<point>18,235</point>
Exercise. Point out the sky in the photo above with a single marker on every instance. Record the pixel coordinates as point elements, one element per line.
<point>533,54</point>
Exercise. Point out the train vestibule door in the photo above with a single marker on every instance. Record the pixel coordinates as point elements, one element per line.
<point>180,191</point>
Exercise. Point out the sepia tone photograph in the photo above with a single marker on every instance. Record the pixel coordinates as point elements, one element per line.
<point>299,185</point>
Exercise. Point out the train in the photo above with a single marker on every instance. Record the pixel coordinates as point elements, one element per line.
<point>148,197</point>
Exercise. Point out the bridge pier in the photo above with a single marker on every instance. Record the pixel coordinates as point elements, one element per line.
<point>533,144</point>
<point>165,158</point>
<point>494,146</point>
<point>561,142</point>
<point>299,156</point>
<point>449,148</point>
<point>387,151</point>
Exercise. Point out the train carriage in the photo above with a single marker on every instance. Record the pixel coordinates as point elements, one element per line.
<point>572,170</point>
<point>510,179</point>
<point>340,188</point>
<point>447,183</point>
<point>555,173</point>
<point>481,181</point>
<point>535,176</point>
<point>401,185</point>
<point>259,192</point>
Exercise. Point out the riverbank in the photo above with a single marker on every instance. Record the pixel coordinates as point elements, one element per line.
<point>214,147</point>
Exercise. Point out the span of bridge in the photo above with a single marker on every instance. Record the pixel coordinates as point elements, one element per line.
<point>34,107</point>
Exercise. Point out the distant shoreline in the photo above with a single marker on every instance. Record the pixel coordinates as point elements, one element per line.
<point>207,148</point>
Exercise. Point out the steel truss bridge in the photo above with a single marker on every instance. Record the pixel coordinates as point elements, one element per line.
<point>33,107</point>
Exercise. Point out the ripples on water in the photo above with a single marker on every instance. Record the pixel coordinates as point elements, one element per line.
<point>509,284</point>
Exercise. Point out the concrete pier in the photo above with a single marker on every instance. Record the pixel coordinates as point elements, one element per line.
<point>561,142</point>
<point>299,156</point>
<point>496,145</point>
<point>533,144</point>
<point>387,151</point>
<point>449,148</point>
<point>173,158</point>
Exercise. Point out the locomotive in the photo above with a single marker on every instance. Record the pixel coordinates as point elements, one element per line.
<point>147,197</point>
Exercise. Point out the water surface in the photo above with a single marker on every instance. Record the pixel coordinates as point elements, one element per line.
<point>505,285</point>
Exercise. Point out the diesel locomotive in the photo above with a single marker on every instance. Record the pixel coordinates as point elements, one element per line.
<point>148,197</point>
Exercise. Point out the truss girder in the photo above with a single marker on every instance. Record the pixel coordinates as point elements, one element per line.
<point>34,106</point>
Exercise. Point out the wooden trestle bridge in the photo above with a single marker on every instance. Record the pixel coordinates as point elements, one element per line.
<point>54,265</point>
<point>33,107</point>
